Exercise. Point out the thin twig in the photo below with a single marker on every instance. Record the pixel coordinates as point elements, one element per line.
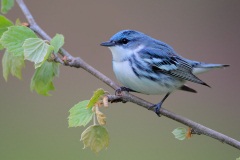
<point>77,62</point>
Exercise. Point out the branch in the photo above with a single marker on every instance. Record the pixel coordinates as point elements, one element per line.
<point>77,62</point>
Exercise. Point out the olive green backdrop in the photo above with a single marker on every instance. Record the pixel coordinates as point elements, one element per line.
<point>34,127</point>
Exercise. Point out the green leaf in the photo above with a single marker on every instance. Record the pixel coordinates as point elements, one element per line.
<point>57,42</point>
<point>97,94</point>
<point>1,47</point>
<point>238,158</point>
<point>4,24</point>
<point>18,22</point>
<point>180,133</point>
<point>36,50</point>
<point>96,137</point>
<point>42,80</point>
<point>14,38</point>
<point>80,115</point>
<point>12,64</point>
<point>6,5</point>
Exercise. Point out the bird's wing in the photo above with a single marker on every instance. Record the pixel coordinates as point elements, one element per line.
<point>170,64</point>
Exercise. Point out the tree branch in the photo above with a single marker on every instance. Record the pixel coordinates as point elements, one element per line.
<point>77,62</point>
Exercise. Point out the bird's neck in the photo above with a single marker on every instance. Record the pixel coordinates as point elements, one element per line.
<point>121,54</point>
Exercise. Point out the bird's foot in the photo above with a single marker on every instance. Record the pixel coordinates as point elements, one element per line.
<point>118,92</point>
<point>156,108</point>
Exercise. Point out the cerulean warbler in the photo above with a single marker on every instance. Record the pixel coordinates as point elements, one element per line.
<point>146,65</point>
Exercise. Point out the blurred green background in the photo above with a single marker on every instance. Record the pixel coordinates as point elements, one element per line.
<point>34,127</point>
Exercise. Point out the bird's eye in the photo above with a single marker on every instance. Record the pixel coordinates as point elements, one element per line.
<point>124,41</point>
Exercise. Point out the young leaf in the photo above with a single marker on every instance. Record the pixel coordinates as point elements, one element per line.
<point>101,118</point>
<point>18,22</point>
<point>4,24</point>
<point>57,42</point>
<point>12,64</point>
<point>80,115</point>
<point>180,133</point>
<point>105,101</point>
<point>14,37</point>
<point>189,133</point>
<point>96,137</point>
<point>97,94</point>
<point>36,50</point>
<point>6,5</point>
<point>42,80</point>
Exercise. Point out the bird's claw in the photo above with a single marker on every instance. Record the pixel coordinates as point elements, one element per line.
<point>118,92</point>
<point>156,108</point>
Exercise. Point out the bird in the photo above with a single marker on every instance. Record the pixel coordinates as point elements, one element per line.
<point>149,66</point>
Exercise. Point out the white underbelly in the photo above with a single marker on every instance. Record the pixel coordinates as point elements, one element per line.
<point>128,78</point>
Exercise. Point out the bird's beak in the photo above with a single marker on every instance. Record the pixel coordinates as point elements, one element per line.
<point>108,44</point>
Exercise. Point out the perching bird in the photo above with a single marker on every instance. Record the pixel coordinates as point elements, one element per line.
<point>149,66</point>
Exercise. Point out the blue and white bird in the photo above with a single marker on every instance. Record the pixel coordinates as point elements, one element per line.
<point>149,66</point>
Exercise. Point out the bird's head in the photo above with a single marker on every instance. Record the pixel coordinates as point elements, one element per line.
<point>124,43</point>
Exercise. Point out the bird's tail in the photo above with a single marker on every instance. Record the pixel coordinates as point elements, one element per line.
<point>201,67</point>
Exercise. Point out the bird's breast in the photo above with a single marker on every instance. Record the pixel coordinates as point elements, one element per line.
<point>125,74</point>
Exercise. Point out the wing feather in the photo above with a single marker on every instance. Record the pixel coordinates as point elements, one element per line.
<point>170,64</point>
